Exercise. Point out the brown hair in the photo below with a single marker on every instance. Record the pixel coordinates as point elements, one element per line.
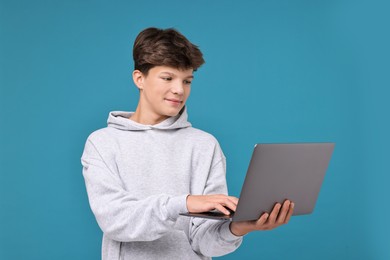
<point>165,47</point>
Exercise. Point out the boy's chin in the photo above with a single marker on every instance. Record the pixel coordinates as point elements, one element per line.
<point>175,112</point>
<point>172,114</point>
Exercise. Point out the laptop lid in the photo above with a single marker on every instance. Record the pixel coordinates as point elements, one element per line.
<point>277,172</point>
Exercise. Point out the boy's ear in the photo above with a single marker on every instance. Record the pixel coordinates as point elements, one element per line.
<point>138,78</point>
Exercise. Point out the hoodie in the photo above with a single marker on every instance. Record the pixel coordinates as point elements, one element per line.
<point>137,179</point>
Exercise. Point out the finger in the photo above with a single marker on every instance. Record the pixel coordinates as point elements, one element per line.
<point>261,221</point>
<point>274,213</point>
<point>283,212</point>
<point>233,199</point>
<point>222,209</point>
<point>230,204</point>
<point>227,201</point>
<point>290,212</point>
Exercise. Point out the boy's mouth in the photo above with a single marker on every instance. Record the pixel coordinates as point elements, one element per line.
<point>174,101</point>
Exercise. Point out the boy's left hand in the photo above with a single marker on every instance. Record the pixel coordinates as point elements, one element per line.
<point>280,215</point>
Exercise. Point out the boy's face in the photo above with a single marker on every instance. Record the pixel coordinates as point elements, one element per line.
<point>163,92</point>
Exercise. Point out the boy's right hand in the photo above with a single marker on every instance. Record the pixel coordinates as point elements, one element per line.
<point>203,203</point>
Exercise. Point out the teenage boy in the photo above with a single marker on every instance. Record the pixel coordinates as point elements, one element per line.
<point>148,166</point>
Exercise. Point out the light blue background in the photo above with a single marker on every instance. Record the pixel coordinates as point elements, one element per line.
<point>276,71</point>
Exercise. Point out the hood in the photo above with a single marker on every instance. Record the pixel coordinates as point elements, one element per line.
<point>120,120</point>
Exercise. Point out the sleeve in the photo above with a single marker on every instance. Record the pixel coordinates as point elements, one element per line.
<point>213,237</point>
<point>119,215</point>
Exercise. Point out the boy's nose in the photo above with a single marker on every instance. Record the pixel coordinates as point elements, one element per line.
<point>178,88</point>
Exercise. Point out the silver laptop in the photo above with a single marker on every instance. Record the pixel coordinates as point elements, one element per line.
<point>277,172</point>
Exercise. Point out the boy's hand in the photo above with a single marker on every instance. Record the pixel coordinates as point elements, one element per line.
<point>203,203</point>
<point>280,215</point>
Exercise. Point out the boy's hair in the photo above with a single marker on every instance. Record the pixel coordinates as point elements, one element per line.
<point>165,47</point>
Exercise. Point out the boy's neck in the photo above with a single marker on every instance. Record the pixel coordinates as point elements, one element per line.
<point>146,118</point>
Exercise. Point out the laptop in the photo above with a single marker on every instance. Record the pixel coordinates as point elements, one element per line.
<point>277,172</point>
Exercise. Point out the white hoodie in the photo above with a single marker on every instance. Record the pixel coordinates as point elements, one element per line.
<point>138,177</point>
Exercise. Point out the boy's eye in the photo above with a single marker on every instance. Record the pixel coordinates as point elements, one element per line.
<point>188,82</point>
<point>167,78</point>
